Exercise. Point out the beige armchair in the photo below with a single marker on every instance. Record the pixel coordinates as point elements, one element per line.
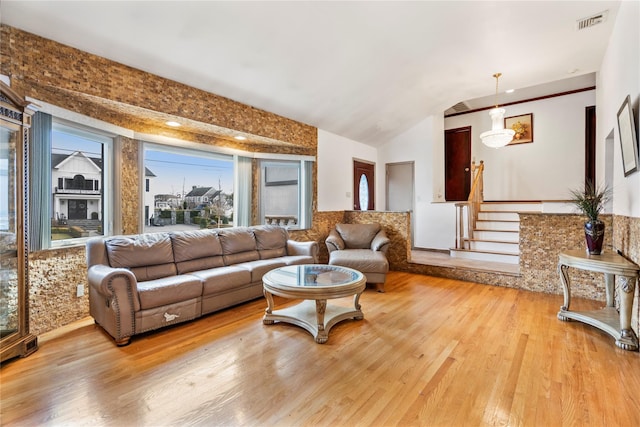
<point>362,247</point>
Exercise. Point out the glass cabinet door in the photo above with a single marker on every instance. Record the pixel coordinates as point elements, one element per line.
<point>15,121</point>
<point>9,289</point>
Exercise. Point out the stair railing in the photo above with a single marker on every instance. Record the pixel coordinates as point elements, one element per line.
<point>469,210</point>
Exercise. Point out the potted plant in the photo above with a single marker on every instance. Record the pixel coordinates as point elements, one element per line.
<point>590,200</point>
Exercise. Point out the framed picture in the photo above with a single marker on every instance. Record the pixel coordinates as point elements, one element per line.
<point>628,138</point>
<point>523,125</point>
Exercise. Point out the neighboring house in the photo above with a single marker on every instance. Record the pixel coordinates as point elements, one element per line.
<point>75,179</point>
<point>168,201</point>
<point>149,198</point>
<point>201,196</point>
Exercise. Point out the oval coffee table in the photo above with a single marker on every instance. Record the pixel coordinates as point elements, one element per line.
<point>315,284</point>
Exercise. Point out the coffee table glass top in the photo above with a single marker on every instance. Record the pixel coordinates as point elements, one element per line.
<point>313,275</point>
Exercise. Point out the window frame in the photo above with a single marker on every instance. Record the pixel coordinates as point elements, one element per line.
<point>107,141</point>
<point>305,200</point>
<point>183,149</point>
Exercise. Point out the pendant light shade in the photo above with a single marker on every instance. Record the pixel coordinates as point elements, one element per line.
<point>498,136</point>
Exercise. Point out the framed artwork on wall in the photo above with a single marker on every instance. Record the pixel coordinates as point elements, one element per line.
<point>523,126</point>
<point>628,137</point>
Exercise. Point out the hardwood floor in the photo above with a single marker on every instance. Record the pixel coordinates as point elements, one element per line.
<point>430,351</point>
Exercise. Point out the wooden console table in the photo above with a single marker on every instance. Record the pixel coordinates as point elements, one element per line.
<point>614,266</point>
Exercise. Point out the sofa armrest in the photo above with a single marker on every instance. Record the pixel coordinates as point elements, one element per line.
<point>303,248</point>
<point>334,241</point>
<point>116,284</point>
<point>380,242</point>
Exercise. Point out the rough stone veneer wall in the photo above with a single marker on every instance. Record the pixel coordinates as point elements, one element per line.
<point>53,277</point>
<point>129,185</point>
<point>542,238</point>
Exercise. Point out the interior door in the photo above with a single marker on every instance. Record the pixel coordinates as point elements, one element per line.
<point>363,186</point>
<point>400,186</point>
<point>399,191</point>
<point>457,163</point>
<point>590,145</point>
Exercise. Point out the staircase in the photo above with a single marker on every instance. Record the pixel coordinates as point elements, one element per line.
<point>495,236</point>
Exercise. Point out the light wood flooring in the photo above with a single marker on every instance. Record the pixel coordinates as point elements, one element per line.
<point>430,352</point>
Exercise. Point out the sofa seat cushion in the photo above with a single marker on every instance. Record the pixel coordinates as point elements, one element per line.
<point>261,267</point>
<point>168,290</point>
<point>222,279</point>
<point>363,260</point>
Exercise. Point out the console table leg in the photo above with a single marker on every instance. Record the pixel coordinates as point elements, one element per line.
<point>628,339</point>
<point>609,282</point>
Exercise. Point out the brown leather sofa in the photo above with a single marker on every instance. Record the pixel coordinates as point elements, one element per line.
<point>362,247</point>
<point>143,282</point>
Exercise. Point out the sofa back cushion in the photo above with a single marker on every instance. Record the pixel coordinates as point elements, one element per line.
<point>196,250</point>
<point>357,236</point>
<point>271,241</point>
<point>148,256</point>
<point>238,245</point>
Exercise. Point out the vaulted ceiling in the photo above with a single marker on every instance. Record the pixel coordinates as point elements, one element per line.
<point>366,70</point>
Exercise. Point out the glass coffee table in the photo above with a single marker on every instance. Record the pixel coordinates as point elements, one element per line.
<point>315,284</point>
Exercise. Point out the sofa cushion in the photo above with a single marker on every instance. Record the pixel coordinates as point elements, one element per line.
<point>148,256</point>
<point>357,236</point>
<point>196,250</point>
<point>271,241</point>
<point>238,245</point>
<point>260,267</point>
<point>168,290</point>
<point>222,279</point>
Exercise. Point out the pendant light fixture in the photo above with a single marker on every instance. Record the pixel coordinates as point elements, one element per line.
<point>498,136</point>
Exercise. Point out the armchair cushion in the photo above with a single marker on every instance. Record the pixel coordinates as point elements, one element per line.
<point>357,236</point>
<point>380,242</point>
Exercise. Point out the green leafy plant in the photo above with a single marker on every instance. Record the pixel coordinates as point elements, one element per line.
<point>590,199</point>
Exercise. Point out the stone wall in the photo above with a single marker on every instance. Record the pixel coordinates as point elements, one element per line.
<point>53,277</point>
<point>542,238</point>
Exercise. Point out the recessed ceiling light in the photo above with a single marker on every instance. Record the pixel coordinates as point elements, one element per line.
<point>509,90</point>
<point>240,137</point>
<point>173,124</point>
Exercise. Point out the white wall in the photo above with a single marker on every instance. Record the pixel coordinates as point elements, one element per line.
<point>544,169</point>
<point>619,76</point>
<point>434,222</point>
<point>335,171</point>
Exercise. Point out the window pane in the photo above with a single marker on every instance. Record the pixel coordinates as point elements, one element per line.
<point>77,163</point>
<point>186,189</point>
<point>364,193</point>
<point>279,195</point>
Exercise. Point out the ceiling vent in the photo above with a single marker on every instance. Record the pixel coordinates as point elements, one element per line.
<point>590,21</point>
<point>460,107</point>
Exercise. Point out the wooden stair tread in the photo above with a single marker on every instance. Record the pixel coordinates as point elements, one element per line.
<point>512,242</point>
<point>487,252</point>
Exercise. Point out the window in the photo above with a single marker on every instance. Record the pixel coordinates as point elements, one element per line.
<point>285,193</point>
<point>80,174</point>
<point>187,189</point>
